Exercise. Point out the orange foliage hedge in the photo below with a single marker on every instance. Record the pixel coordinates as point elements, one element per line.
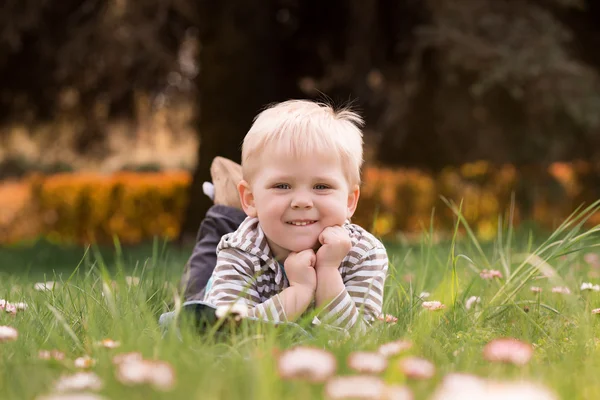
<point>396,200</point>
<point>84,207</point>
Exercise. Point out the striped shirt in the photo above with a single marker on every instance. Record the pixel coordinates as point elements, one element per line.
<point>247,271</point>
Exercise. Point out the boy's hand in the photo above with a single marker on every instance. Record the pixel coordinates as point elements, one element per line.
<point>336,244</point>
<point>300,269</point>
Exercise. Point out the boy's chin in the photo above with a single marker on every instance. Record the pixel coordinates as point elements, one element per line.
<point>298,247</point>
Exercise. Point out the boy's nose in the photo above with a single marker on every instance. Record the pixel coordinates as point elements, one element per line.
<point>301,201</point>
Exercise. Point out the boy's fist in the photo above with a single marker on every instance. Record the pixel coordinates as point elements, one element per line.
<point>335,245</point>
<point>300,269</point>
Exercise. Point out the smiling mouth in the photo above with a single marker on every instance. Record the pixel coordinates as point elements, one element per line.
<point>300,223</point>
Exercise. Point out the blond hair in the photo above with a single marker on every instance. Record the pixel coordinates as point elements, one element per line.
<point>302,128</point>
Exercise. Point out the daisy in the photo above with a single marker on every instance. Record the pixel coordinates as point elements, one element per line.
<point>433,305</point>
<point>158,374</point>
<point>79,381</point>
<point>109,344</point>
<point>457,386</point>
<point>8,333</point>
<point>417,368</point>
<point>51,355</point>
<point>126,357</point>
<point>307,363</point>
<point>590,286</point>
<point>355,387</point>
<point>508,350</point>
<point>394,348</point>
<point>464,386</point>
<point>84,362</point>
<point>536,289</point>
<point>367,362</point>
<point>10,308</point>
<point>490,274</point>
<point>424,295</point>
<point>397,392</point>
<point>471,301</point>
<point>596,311</point>
<point>387,318</point>
<point>561,290</point>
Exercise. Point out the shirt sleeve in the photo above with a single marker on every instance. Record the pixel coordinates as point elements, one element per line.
<point>235,281</point>
<point>362,299</point>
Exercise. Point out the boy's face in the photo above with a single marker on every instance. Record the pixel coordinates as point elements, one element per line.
<point>295,200</point>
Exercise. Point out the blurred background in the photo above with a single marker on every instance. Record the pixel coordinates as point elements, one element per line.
<point>111,111</point>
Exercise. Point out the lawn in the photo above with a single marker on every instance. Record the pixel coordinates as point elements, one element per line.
<point>94,300</point>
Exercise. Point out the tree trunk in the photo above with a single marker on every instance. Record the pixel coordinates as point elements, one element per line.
<point>240,74</point>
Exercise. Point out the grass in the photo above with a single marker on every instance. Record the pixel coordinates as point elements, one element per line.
<point>87,307</point>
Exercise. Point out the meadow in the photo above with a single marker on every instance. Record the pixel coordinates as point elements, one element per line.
<point>94,334</point>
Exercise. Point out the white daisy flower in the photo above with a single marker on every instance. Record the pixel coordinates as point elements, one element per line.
<point>355,387</point>
<point>51,355</point>
<point>561,290</point>
<point>8,333</point>
<point>84,362</point>
<point>367,362</point>
<point>158,374</point>
<point>109,343</point>
<point>306,363</point>
<point>433,305</point>
<point>508,350</point>
<point>417,368</point>
<point>79,381</point>
<point>126,357</point>
<point>393,348</point>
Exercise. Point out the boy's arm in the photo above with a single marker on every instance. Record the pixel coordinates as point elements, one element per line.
<point>360,293</point>
<point>234,281</point>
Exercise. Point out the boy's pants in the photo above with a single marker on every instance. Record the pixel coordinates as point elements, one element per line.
<point>219,220</point>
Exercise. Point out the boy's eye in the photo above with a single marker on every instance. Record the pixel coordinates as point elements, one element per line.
<point>322,187</point>
<point>282,186</point>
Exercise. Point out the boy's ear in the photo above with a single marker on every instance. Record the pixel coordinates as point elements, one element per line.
<point>247,198</point>
<point>353,200</point>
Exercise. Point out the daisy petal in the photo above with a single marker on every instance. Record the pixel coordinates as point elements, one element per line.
<point>109,343</point>
<point>307,363</point>
<point>393,348</point>
<point>387,318</point>
<point>79,381</point>
<point>355,387</point>
<point>8,333</point>
<point>84,362</point>
<point>508,350</point>
<point>367,362</point>
<point>433,305</point>
<point>417,368</point>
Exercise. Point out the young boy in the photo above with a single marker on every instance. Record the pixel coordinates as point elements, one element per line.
<point>301,173</point>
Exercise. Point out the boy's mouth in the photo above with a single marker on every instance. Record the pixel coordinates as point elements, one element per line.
<point>301,222</point>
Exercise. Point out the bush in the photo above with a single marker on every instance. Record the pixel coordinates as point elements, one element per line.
<point>84,207</point>
<point>87,208</point>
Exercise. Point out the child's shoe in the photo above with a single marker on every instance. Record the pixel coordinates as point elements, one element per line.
<point>225,176</point>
